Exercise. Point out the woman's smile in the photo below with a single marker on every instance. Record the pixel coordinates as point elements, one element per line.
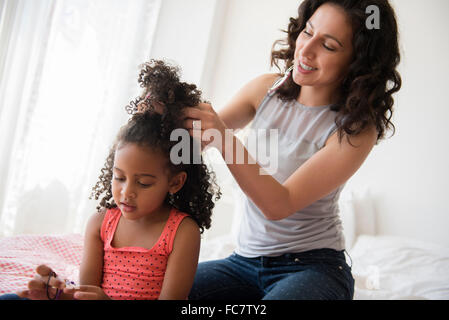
<point>304,68</point>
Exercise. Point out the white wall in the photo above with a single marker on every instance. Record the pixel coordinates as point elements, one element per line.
<point>408,174</point>
<point>251,27</point>
<point>186,35</point>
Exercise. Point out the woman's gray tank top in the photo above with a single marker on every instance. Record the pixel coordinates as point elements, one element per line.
<point>302,131</point>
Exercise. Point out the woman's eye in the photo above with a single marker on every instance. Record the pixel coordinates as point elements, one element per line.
<point>119,179</point>
<point>306,32</point>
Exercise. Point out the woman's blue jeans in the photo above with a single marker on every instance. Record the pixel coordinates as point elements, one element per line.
<point>321,274</point>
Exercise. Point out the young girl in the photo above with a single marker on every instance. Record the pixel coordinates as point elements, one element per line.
<point>144,241</point>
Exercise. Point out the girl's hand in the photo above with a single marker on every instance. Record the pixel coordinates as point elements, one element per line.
<point>201,130</point>
<point>37,287</point>
<point>85,292</point>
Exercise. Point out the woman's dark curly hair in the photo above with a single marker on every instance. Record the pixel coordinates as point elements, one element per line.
<point>152,127</point>
<point>372,77</point>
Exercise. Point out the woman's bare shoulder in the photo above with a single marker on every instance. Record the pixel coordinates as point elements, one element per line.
<point>259,86</point>
<point>264,81</point>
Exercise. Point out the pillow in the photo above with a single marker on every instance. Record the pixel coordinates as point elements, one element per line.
<point>357,214</point>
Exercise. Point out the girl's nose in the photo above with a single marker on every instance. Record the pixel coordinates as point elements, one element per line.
<point>128,192</point>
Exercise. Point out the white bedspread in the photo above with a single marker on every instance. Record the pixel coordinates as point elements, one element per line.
<point>388,267</point>
<point>384,267</point>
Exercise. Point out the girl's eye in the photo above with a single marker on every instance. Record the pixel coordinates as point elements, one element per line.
<point>306,32</point>
<point>119,179</point>
<point>328,48</point>
<point>145,185</point>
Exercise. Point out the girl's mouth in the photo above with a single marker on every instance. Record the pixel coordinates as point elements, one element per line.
<point>126,207</point>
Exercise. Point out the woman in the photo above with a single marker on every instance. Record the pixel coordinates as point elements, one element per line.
<point>334,105</point>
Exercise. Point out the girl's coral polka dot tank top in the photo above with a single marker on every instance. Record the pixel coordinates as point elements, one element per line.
<point>136,273</point>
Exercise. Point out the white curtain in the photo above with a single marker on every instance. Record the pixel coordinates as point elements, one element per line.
<point>67,70</point>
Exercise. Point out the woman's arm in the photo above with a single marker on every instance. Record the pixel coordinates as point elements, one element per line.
<point>242,107</point>
<point>329,168</point>
<point>91,269</point>
<point>182,262</point>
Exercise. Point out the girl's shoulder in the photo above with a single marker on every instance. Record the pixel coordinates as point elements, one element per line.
<point>187,230</point>
<point>179,218</point>
<point>185,221</point>
<point>182,228</point>
<point>174,212</point>
<point>96,220</point>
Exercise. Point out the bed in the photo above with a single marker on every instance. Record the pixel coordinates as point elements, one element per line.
<point>385,267</point>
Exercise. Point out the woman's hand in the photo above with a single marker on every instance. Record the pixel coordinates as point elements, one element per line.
<point>204,124</point>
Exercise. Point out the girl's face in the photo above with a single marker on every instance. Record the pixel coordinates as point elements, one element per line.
<point>141,180</point>
<point>324,50</point>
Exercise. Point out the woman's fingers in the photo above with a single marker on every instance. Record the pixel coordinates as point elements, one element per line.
<point>203,111</point>
<point>194,124</point>
<point>193,113</point>
<point>204,106</point>
<point>210,130</point>
<point>203,121</point>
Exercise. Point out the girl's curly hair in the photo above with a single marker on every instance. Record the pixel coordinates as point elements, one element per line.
<point>152,127</point>
<point>372,77</point>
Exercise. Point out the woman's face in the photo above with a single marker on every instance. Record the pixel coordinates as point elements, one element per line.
<point>324,50</point>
